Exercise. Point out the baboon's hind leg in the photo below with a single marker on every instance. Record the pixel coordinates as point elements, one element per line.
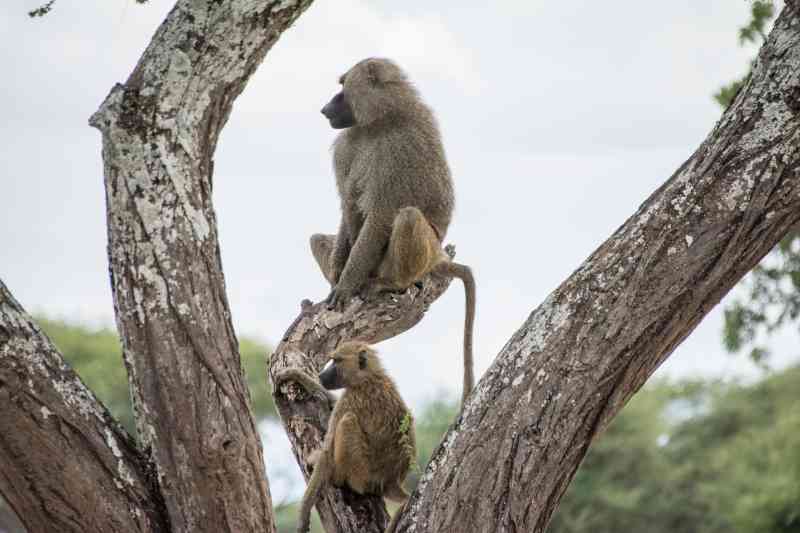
<point>413,250</point>
<point>350,455</point>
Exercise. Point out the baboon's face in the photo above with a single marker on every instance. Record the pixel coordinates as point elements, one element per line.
<point>372,89</point>
<point>339,112</point>
<point>345,369</point>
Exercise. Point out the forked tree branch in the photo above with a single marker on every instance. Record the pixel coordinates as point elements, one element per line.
<point>306,345</point>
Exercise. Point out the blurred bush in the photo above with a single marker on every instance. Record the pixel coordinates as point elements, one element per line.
<point>694,457</point>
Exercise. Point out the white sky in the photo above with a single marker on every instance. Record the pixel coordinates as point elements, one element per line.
<point>559,120</point>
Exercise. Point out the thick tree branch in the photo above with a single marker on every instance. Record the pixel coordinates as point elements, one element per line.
<point>160,130</point>
<point>61,452</point>
<point>596,339</point>
<point>306,345</point>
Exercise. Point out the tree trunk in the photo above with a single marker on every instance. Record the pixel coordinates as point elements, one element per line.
<point>160,131</point>
<point>67,466</point>
<point>202,461</point>
<point>581,355</point>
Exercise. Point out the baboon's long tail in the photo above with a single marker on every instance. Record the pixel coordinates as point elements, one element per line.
<point>321,474</point>
<point>464,273</point>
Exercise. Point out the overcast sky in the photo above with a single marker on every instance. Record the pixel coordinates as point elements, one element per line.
<point>559,119</point>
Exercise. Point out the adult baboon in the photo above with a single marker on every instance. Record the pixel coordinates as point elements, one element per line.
<point>395,189</point>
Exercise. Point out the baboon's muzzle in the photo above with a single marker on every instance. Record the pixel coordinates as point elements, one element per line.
<point>330,378</point>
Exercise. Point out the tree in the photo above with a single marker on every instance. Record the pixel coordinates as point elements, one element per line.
<point>761,12</point>
<point>771,300</point>
<point>508,458</point>
<point>772,287</point>
<point>200,465</point>
<point>96,355</point>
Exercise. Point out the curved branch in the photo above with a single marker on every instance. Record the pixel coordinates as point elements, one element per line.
<point>307,343</point>
<point>597,338</point>
<point>61,451</point>
<point>160,130</point>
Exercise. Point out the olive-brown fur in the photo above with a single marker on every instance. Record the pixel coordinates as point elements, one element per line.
<point>396,193</point>
<point>370,443</point>
<point>391,158</point>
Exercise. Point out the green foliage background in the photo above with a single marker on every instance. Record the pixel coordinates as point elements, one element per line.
<point>686,457</point>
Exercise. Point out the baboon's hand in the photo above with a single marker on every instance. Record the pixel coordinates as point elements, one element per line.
<point>303,526</point>
<point>338,297</point>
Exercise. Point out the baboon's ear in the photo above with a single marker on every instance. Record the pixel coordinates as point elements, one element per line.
<point>362,359</point>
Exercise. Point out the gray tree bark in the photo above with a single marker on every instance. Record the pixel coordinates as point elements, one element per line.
<point>201,466</point>
<point>67,466</point>
<point>160,130</point>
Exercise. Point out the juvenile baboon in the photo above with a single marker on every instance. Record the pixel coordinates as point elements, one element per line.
<point>395,189</point>
<point>370,444</point>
